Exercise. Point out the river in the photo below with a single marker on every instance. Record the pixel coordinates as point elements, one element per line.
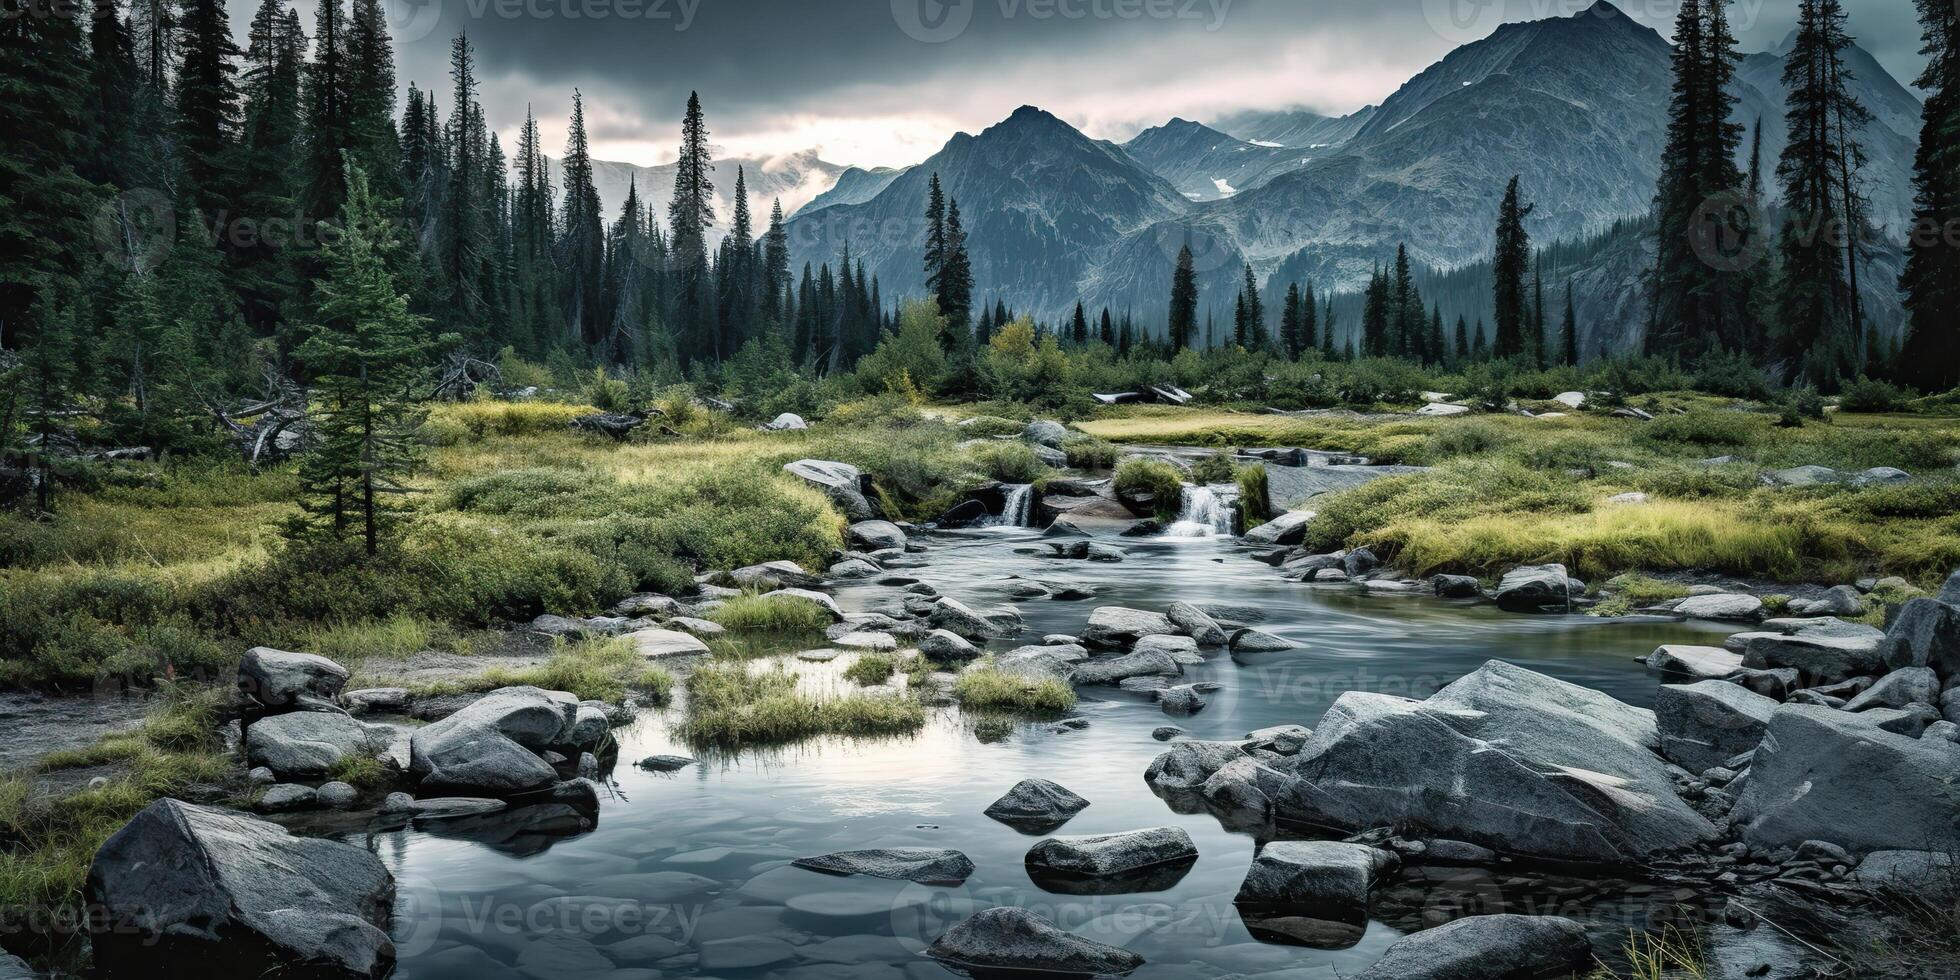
<point>686,875</point>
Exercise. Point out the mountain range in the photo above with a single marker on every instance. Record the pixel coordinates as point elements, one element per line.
<point>794,178</point>
<point>1575,106</point>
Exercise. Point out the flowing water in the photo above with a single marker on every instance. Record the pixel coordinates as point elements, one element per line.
<point>1018,510</point>
<point>686,875</point>
<point>1207,512</point>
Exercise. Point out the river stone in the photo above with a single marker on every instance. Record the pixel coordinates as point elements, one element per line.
<point>337,795</point>
<point>1105,552</point>
<point>377,701</point>
<point>1706,723</point>
<point>1286,530</point>
<point>704,629</point>
<point>1259,641</point>
<point>287,797</point>
<point>489,748</point>
<point>1189,763</point>
<point>818,599</point>
<point>304,743</point>
<point>648,604</point>
<point>876,535</point>
<point>922,865</point>
<point>1907,872</point>
<point>659,644</point>
<point>1530,588</point>
<point>1281,739</point>
<point>1181,649</point>
<point>1005,938</point>
<point>1111,855</point>
<point>1841,600</point>
<point>1043,432</point>
<point>1456,587</point>
<point>1030,663</point>
<point>957,617</point>
<point>1925,633</point>
<point>1734,606</point>
<point>1488,946</point>
<point>1909,685</point>
<point>276,680</point>
<point>1117,627</point>
<point>1821,659</point>
<point>1112,670</point>
<point>1577,772</point>
<point>1328,874</point>
<point>1823,774</point>
<point>853,568</point>
<point>1197,625</point>
<point>944,645</point>
<point>1036,806</point>
<point>1181,700</point>
<point>192,889</point>
<point>665,763</point>
<point>1700,663</point>
<point>841,482</point>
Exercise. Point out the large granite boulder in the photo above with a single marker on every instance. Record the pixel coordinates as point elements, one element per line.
<point>1822,659</point>
<point>1185,768</point>
<point>957,617</point>
<point>1317,873</point>
<point>876,535</point>
<point>1487,947</point>
<point>1197,625</point>
<point>1733,606</point>
<point>1505,758</point>
<point>1115,627</point>
<point>1709,722</point>
<point>490,747</point>
<point>1286,530</point>
<point>1114,670</point>
<point>930,866</point>
<point>1011,939</point>
<point>773,575</point>
<point>274,680</point>
<point>946,645</point>
<point>186,890</point>
<point>1532,588</point>
<point>304,744</point>
<point>1042,432</point>
<point>841,482</point>
<point>1036,806</point>
<point>1112,855</point>
<point>1824,774</point>
<point>1924,633</point>
<point>1700,663</point>
<point>1907,685</point>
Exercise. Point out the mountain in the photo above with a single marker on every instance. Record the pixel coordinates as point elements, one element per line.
<point>855,186</point>
<point>1205,164</point>
<point>1296,128</point>
<point>796,178</point>
<point>1041,204</point>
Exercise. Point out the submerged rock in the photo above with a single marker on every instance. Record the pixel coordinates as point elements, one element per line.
<point>1112,855</point>
<point>1490,946</point>
<point>922,865</point>
<point>194,890</point>
<point>1015,939</point>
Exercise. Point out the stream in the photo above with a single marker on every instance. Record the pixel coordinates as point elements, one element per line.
<point>687,874</point>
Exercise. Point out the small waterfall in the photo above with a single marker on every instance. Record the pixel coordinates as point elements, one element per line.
<point>1019,506</point>
<point>1208,511</point>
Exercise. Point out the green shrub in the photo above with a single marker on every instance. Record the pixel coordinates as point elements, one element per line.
<point>1703,428</point>
<point>1254,496</point>
<point>1867,395</point>
<point>1085,453</point>
<point>1008,462</point>
<point>1214,468</point>
<point>771,613</point>
<point>1800,404</point>
<point>730,705</point>
<point>1162,482</point>
<point>990,689</point>
<point>871,668</point>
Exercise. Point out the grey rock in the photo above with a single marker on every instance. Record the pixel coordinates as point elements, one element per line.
<point>874,535</point>
<point>196,889</point>
<point>840,481</point>
<point>786,422</point>
<point>275,680</point>
<point>1776,684</point>
<point>1576,771</point>
<point>1734,607</point>
<point>1908,872</point>
<point>703,629</point>
<point>14,968</point>
<point>1112,855</point>
<point>1822,659</point>
<point>815,598</point>
<point>1924,633</point>
<point>1113,670</point>
<point>287,797</point>
<point>1487,946</point>
<point>1043,432</point>
<point>1182,649</point>
<point>944,645</point>
<point>1181,700</point>
<point>1907,685</point>
<point>489,748</point>
<point>648,604</point>
<point>377,701</point>
<point>1118,627</point>
<point>1197,625</point>
<point>665,763</point>
<point>261,776</point>
<point>1286,530</point>
<point>1359,562</point>
<point>1822,774</point>
<point>304,743</point>
<point>337,795</point>
<point>1700,663</point>
<point>1709,722</point>
<point>773,575</point>
<point>1316,873</point>
<point>1455,587</point>
<point>1531,588</point>
<point>923,865</point>
<point>955,616</point>
<point>1005,938</point>
<point>1164,733</point>
<point>1259,641</point>
<point>1188,764</point>
<point>661,644</point>
<point>1801,476</point>
<point>1037,805</point>
<point>853,568</point>
<point>1842,600</point>
<point>1106,552</point>
<point>1884,475</point>
<point>1283,739</point>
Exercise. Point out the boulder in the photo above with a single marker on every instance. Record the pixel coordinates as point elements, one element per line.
<point>1820,658</point>
<point>1259,641</point>
<point>1188,764</point>
<point>191,890</point>
<point>818,599</point>
<point>1036,806</point>
<point>304,743</point>
<point>923,865</point>
<point>1011,939</point>
<point>1113,670</point>
<point>1116,627</point>
<point>1531,588</point>
<point>377,701</point>
<point>659,644</point>
<point>1734,607</point>
<point>287,797</point>
<point>1700,663</point>
<point>1883,475</point>
<point>1950,590</point>
<point>1775,684</point>
<point>954,616</point>
<point>773,575</point>
<point>489,748</point>
<point>1924,633</point>
<point>1286,530</point>
<point>1823,774</point>
<point>1328,874</point>
<point>1841,600</point>
<point>648,604</point>
<point>786,422</point>
<point>1197,625</point>
<point>1456,587</point>
<point>1105,553</point>
<point>875,535</point>
<point>1184,699</point>
<point>274,680</point>
<point>705,629</point>
<point>852,568</point>
<point>1181,649</point>
<point>1908,685</point>
<point>1488,946</point>
<point>1907,872</point>
<point>1359,562</point>
<point>1574,400</point>
<point>1801,476</point>
<point>337,795</point>
<point>841,482</point>
<point>1709,722</point>
<point>1112,855</point>
<point>1442,408</point>
<point>1042,432</point>
<point>945,645</point>
<point>1505,758</point>
<point>1280,739</point>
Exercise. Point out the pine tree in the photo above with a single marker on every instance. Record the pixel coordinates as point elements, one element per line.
<point>1309,320</point>
<point>373,141</point>
<point>1249,327</point>
<point>775,266</point>
<point>1106,330</point>
<point>1930,356</point>
<point>935,257</point>
<point>1078,327</point>
<point>44,204</point>
<point>206,102</point>
<point>464,232</point>
<point>329,120</point>
<point>1183,318</point>
<point>268,183</point>
<point>366,350</point>
<point>735,269</point>
<point>581,251</point>
<point>1462,339</point>
<point>1513,255</point>
<point>110,105</point>
<point>956,274</point>
<point>1568,334</point>
<point>1290,325</point>
<point>1435,348</point>
<point>690,214</point>
<point>1376,316</point>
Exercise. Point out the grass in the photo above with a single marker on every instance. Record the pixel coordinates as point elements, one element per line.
<point>987,689</point>
<point>730,705</point>
<point>771,613</point>
<point>1635,591</point>
<point>1668,955</point>
<point>47,842</point>
<point>364,773</point>
<point>1160,480</point>
<point>871,669</point>
<point>599,669</point>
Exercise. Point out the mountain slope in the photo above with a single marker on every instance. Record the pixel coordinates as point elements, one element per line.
<point>1205,164</point>
<point>855,186</point>
<point>1295,128</point>
<point>796,178</point>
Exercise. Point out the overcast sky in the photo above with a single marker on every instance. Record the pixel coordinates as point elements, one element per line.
<point>886,82</point>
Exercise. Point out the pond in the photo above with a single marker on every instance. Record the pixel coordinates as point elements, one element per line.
<point>687,874</point>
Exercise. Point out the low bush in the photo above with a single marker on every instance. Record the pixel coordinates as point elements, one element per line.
<point>1214,468</point>
<point>989,689</point>
<point>1867,395</point>
<point>871,668</point>
<point>1008,462</point>
<point>771,613</point>
<point>1086,453</point>
<point>1160,481</point>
